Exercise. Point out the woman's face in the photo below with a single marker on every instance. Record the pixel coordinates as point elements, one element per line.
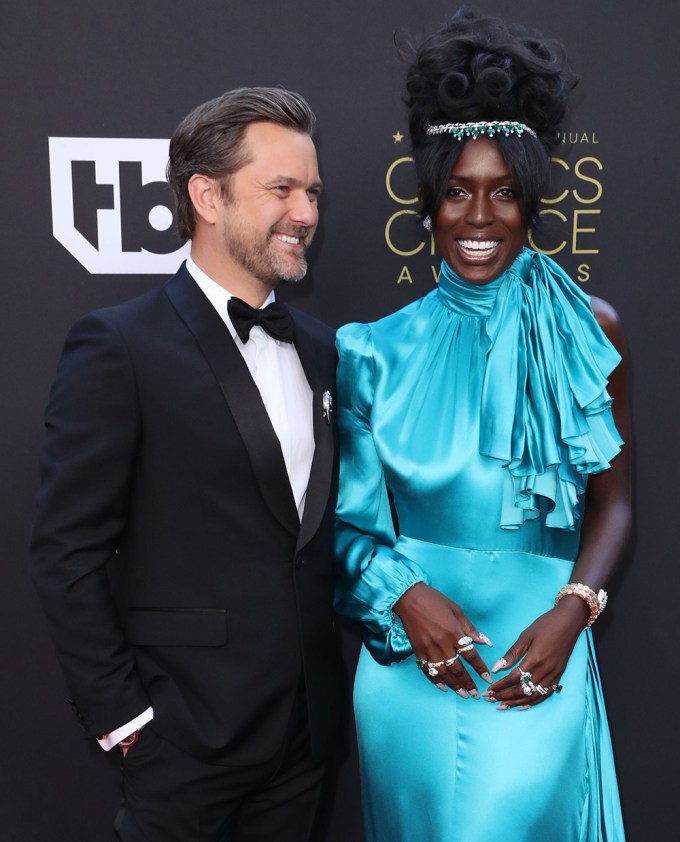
<point>479,228</point>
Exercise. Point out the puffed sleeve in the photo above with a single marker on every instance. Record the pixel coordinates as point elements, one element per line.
<point>371,574</point>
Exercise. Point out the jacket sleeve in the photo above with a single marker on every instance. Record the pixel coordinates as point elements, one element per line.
<point>371,574</point>
<point>86,470</point>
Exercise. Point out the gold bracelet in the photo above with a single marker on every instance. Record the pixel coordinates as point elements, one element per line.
<point>596,601</point>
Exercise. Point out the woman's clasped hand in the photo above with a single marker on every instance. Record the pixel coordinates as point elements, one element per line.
<point>443,638</point>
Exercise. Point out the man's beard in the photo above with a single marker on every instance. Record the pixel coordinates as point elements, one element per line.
<point>264,261</point>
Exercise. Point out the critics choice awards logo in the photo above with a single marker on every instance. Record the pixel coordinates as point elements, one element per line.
<point>568,229</point>
<point>112,208</point>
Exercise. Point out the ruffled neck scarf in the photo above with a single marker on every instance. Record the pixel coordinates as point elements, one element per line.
<point>545,412</point>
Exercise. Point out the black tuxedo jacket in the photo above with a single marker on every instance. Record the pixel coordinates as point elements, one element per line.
<point>167,548</point>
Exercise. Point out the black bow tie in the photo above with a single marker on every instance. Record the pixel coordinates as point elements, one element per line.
<point>274,319</point>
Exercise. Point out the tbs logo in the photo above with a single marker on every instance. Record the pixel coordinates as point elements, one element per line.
<point>112,208</point>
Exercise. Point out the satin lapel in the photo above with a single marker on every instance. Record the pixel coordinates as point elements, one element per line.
<point>321,473</point>
<point>241,394</point>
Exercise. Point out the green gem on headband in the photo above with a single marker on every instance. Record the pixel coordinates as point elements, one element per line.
<point>462,131</point>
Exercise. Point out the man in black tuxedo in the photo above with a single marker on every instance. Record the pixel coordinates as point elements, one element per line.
<point>182,546</point>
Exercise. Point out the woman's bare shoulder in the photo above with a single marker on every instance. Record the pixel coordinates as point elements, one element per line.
<point>608,319</point>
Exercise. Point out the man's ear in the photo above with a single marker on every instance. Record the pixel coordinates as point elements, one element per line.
<point>206,197</point>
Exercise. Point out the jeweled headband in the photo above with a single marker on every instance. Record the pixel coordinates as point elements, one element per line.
<point>461,131</point>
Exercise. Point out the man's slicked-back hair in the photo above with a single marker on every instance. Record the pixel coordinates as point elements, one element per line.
<point>209,140</point>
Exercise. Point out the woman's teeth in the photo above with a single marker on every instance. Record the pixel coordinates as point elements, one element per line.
<point>478,246</point>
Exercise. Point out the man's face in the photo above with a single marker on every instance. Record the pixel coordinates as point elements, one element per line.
<point>270,213</point>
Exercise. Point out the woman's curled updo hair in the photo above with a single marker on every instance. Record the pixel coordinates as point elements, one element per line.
<point>481,68</point>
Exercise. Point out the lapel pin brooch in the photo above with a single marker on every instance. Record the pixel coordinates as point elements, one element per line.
<point>327,404</point>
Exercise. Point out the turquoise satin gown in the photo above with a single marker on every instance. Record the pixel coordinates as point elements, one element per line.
<point>483,409</point>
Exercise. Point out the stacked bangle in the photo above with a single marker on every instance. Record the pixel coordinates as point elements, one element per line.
<point>596,601</point>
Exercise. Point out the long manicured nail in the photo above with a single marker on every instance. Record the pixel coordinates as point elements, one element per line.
<point>485,639</point>
<point>487,677</point>
<point>442,686</point>
<point>489,695</point>
<point>524,707</point>
<point>474,694</point>
<point>503,707</point>
<point>500,664</point>
<point>462,693</point>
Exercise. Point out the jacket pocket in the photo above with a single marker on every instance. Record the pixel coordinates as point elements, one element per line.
<point>176,626</point>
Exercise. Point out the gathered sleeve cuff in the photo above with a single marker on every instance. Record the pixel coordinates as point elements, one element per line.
<point>371,575</point>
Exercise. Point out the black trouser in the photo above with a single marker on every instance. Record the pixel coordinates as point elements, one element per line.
<point>170,796</point>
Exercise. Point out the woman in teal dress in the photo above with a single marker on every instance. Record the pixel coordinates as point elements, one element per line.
<point>484,490</point>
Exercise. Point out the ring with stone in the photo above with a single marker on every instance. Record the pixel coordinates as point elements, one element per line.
<point>466,648</point>
<point>528,688</point>
<point>525,676</point>
<point>465,640</point>
<point>420,663</point>
<point>432,670</point>
<point>557,688</point>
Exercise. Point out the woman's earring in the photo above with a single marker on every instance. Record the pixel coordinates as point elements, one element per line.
<point>427,223</point>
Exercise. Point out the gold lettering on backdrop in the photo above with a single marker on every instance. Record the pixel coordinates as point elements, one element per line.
<point>587,191</point>
<point>579,174</point>
<point>388,235</point>
<point>388,182</point>
<point>563,195</point>
<point>578,137</point>
<point>405,275</point>
<point>543,249</point>
<point>577,230</point>
<point>583,273</point>
<point>570,211</point>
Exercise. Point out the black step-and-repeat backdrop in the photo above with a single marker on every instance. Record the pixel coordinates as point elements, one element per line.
<point>92,93</point>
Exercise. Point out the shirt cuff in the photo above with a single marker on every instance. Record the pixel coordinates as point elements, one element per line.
<point>108,741</point>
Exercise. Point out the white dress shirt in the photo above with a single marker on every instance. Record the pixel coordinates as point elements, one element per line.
<point>277,371</point>
<point>278,374</point>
